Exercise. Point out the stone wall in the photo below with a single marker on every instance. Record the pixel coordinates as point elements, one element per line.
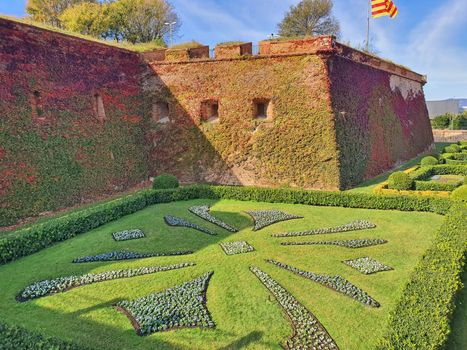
<point>450,135</point>
<point>70,120</point>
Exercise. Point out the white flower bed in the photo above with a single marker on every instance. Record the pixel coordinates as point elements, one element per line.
<point>128,235</point>
<point>175,221</point>
<point>263,218</point>
<point>124,255</point>
<point>62,284</point>
<point>203,212</point>
<point>336,282</point>
<point>351,243</point>
<point>231,248</point>
<point>308,332</point>
<point>353,226</point>
<point>367,265</point>
<point>181,306</point>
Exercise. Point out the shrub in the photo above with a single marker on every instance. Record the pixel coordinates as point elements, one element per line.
<point>164,182</point>
<point>460,194</point>
<point>8,217</point>
<point>435,186</point>
<point>452,149</point>
<point>430,160</point>
<point>421,319</point>
<point>15,338</point>
<point>400,181</point>
<point>462,143</point>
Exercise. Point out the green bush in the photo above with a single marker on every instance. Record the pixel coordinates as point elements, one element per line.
<point>452,149</point>
<point>165,182</point>
<point>430,160</point>
<point>460,194</point>
<point>435,186</point>
<point>8,217</point>
<point>421,319</point>
<point>27,241</point>
<point>17,338</point>
<point>400,181</point>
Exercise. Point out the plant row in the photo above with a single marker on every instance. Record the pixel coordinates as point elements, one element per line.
<point>350,243</point>
<point>29,240</point>
<point>336,282</point>
<point>181,306</point>
<point>421,319</point>
<point>62,284</point>
<point>203,212</point>
<point>309,333</point>
<point>353,226</point>
<point>367,265</point>
<point>231,248</point>
<point>263,218</point>
<point>128,235</point>
<point>124,255</point>
<point>175,221</point>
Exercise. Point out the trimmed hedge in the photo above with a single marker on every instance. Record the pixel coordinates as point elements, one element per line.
<point>421,319</point>
<point>17,338</point>
<point>400,181</point>
<point>435,186</point>
<point>165,182</point>
<point>460,194</point>
<point>452,149</point>
<point>35,238</point>
<point>429,161</point>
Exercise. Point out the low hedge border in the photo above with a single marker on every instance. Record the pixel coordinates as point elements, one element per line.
<point>436,186</point>
<point>421,319</point>
<point>15,338</point>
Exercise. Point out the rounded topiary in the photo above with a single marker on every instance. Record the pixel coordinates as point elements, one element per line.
<point>400,181</point>
<point>428,161</point>
<point>165,181</point>
<point>460,194</point>
<point>452,149</point>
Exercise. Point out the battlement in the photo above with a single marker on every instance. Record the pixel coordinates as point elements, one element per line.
<point>321,45</point>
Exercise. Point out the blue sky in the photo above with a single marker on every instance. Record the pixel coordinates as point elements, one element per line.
<point>429,36</point>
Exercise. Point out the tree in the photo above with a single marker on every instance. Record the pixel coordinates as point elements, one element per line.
<point>310,17</point>
<point>49,11</point>
<point>86,18</point>
<point>142,21</point>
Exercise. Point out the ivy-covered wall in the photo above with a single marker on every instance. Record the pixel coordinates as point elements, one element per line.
<point>381,119</point>
<point>54,151</point>
<point>295,146</point>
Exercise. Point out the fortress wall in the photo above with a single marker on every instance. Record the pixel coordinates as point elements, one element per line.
<point>381,115</point>
<point>70,120</point>
<point>294,145</point>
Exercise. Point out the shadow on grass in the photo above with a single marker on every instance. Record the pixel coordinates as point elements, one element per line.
<point>236,220</point>
<point>458,338</point>
<point>107,304</point>
<point>243,342</point>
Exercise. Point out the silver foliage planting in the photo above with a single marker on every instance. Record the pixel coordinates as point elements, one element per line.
<point>308,332</point>
<point>336,282</point>
<point>181,306</point>
<point>351,243</point>
<point>367,265</point>
<point>263,218</point>
<point>353,226</point>
<point>240,247</point>
<point>175,221</point>
<point>203,212</point>
<point>62,284</point>
<point>128,235</point>
<point>124,255</point>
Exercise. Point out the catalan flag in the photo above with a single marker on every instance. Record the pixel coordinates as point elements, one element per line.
<point>381,8</point>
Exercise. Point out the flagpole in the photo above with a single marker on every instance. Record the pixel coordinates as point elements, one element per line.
<point>368,27</point>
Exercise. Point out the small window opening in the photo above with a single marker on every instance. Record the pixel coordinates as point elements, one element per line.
<point>37,107</point>
<point>99,108</point>
<point>210,111</point>
<point>161,112</point>
<point>263,109</point>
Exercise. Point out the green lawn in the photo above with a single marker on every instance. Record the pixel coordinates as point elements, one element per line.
<point>245,313</point>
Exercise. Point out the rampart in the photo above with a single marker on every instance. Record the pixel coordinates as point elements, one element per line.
<point>80,118</point>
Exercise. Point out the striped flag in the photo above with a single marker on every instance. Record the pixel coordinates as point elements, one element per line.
<point>381,8</point>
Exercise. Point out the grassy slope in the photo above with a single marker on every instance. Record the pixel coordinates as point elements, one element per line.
<point>245,313</point>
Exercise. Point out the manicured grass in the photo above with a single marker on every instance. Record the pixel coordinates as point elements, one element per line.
<point>245,313</point>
